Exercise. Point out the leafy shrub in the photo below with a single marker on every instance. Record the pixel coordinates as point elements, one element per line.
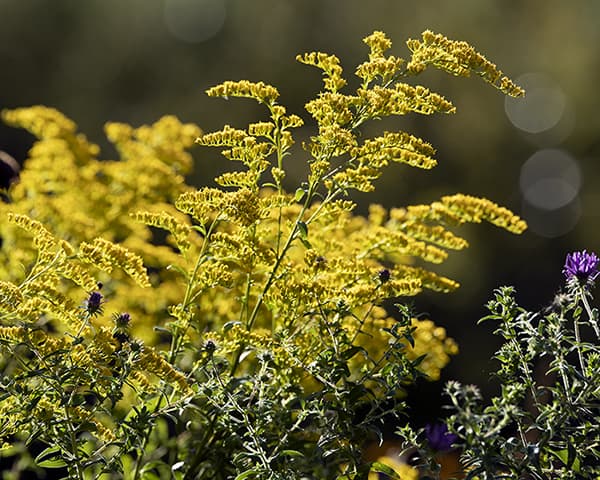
<point>544,422</point>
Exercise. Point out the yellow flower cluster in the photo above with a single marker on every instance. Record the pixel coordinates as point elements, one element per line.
<point>67,190</point>
<point>458,58</point>
<point>49,124</point>
<point>260,91</point>
<point>106,255</point>
<point>330,64</point>
<point>458,209</point>
<point>431,341</point>
<point>151,361</point>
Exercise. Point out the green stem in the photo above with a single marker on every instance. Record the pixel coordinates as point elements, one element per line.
<point>73,441</point>
<point>272,274</point>
<point>177,335</point>
<point>589,312</point>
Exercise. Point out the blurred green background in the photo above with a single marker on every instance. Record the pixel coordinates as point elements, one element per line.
<point>136,60</point>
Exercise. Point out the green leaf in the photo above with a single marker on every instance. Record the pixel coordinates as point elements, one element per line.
<point>50,458</point>
<point>350,352</point>
<point>159,329</point>
<point>178,269</point>
<point>50,451</point>
<point>53,463</point>
<point>303,229</point>
<point>248,474</point>
<point>379,467</point>
<point>150,476</point>
<point>300,192</point>
<point>229,325</point>
<point>292,453</point>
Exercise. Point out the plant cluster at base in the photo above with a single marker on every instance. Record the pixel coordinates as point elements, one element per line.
<point>544,422</point>
<point>151,330</point>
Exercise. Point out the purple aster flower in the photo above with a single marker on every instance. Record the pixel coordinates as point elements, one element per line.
<point>581,265</point>
<point>439,438</point>
<point>94,303</point>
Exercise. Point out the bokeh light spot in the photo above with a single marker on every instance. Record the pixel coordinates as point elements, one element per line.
<point>552,223</point>
<point>541,109</point>
<point>550,179</point>
<point>194,21</point>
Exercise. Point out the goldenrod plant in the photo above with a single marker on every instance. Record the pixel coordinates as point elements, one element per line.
<point>150,329</point>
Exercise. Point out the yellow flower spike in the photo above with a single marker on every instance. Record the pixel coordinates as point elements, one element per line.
<point>118,133</point>
<point>248,179</point>
<point>165,141</point>
<point>277,112</point>
<point>330,64</point>
<point>331,108</point>
<point>226,137</point>
<point>180,230</point>
<point>10,296</point>
<point>401,287</point>
<point>39,340</point>
<point>428,279</point>
<point>458,58</point>
<point>421,100</point>
<point>474,209</point>
<point>397,147</point>
<point>13,334</point>
<point>77,274</point>
<point>43,122</point>
<point>43,240</point>
<point>261,129</point>
<point>379,43</point>
<point>251,154</point>
<point>377,214</point>
<point>431,341</point>
<point>102,432</point>
<point>105,342</point>
<point>384,68</point>
<point>106,255</point>
<point>49,123</point>
<point>260,91</point>
<point>152,362</point>
<point>291,121</point>
<point>436,234</point>
<point>334,140</point>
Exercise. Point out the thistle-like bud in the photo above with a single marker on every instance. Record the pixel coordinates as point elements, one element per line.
<point>94,303</point>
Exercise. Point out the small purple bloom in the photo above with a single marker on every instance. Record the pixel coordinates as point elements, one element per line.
<point>122,320</point>
<point>94,303</point>
<point>581,265</point>
<point>439,438</point>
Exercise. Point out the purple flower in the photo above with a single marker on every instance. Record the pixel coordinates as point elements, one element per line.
<point>581,265</point>
<point>94,303</point>
<point>439,438</point>
<point>122,320</point>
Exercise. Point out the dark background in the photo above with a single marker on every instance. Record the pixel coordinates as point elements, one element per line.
<point>136,60</point>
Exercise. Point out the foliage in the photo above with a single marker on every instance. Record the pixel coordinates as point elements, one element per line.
<point>250,339</point>
<point>544,422</point>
